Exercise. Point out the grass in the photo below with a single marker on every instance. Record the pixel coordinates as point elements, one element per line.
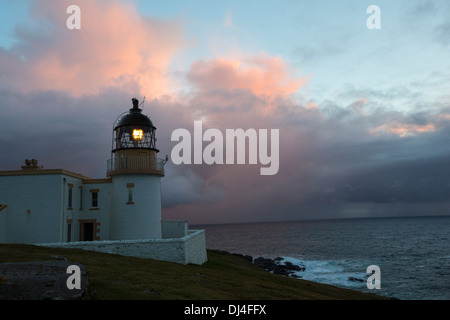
<point>222,277</point>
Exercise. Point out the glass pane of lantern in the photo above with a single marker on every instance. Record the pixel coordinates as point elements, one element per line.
<point>138,134</point>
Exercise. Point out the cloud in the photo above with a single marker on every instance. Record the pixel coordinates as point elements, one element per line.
<point>60,130</point>
<point>431,16</point>
<point>116,47</point>
<point>332,163</point>
<point>186,187</point>
<point>403,129</point>
<point>345,154</point>
<point>262,75</point>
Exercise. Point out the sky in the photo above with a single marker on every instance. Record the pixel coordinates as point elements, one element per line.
<point>363,114</point>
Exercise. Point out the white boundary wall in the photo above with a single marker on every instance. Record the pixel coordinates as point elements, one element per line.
<point>189,249</point>
<point>174,228</point>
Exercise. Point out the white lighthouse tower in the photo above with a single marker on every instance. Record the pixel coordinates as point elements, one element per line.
<point>120,214</point>
<point>136,172</point>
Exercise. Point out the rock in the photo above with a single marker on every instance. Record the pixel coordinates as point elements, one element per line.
<point>281,269</point>
<point>294,267</point>
<point>41,280</point>
<point>278,259</point>
<point>277,267</point>
<point>355,279</point>
<point>265,263</point>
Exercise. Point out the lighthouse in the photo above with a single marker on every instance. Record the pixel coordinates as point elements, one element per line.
<point>119,214</point>
<point>136,174</point>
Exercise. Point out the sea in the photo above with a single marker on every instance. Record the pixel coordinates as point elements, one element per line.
<point>412,253</point>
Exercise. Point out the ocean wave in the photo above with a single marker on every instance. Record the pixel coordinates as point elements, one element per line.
<point>342,273</point>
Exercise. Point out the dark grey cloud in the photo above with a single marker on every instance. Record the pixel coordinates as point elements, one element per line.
<point>337,160</point>
<point>57,129</point>
<point>75,133</point>
<point>328,161</point>
<point>430,16</point>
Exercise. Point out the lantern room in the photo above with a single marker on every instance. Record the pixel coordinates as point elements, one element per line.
<point>134,131</point>
<point>134,144</point>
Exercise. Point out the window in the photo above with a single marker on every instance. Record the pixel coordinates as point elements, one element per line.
<point>130,187</point>
<point>69,199</point>
<point>94,200</point>
<point>130,194</point>
<point>81,198</point>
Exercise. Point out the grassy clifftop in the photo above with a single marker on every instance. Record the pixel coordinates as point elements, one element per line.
<point>223,277</point>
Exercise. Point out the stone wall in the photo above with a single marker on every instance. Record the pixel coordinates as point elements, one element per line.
<point>174,228</point>
<point>190,249</point>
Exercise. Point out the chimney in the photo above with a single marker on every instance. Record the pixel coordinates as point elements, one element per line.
<point>31,165</point>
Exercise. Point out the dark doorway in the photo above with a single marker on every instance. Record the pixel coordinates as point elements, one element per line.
<point>69,232</point>
<point>87,231</point>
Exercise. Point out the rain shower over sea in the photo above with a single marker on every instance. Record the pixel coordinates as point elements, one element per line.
<point>413,253</point>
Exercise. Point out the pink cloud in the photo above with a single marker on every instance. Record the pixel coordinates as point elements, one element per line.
<point>262,75</point>
<point>242,92</point>
<point>248,93</point>
<point>403,129</point>
<point>115,47</point>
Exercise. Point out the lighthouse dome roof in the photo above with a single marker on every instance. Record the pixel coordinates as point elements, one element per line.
<point>135,118</point>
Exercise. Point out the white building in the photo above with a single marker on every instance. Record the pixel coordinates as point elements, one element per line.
<point>118,214</point>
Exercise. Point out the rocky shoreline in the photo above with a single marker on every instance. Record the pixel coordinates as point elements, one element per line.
<point>277,265</point>
<point>282,267</point>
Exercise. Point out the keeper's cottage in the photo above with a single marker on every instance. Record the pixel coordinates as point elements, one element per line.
<point>119,214</point>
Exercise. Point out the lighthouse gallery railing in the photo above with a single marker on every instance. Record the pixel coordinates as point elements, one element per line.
<point>135,163</point>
